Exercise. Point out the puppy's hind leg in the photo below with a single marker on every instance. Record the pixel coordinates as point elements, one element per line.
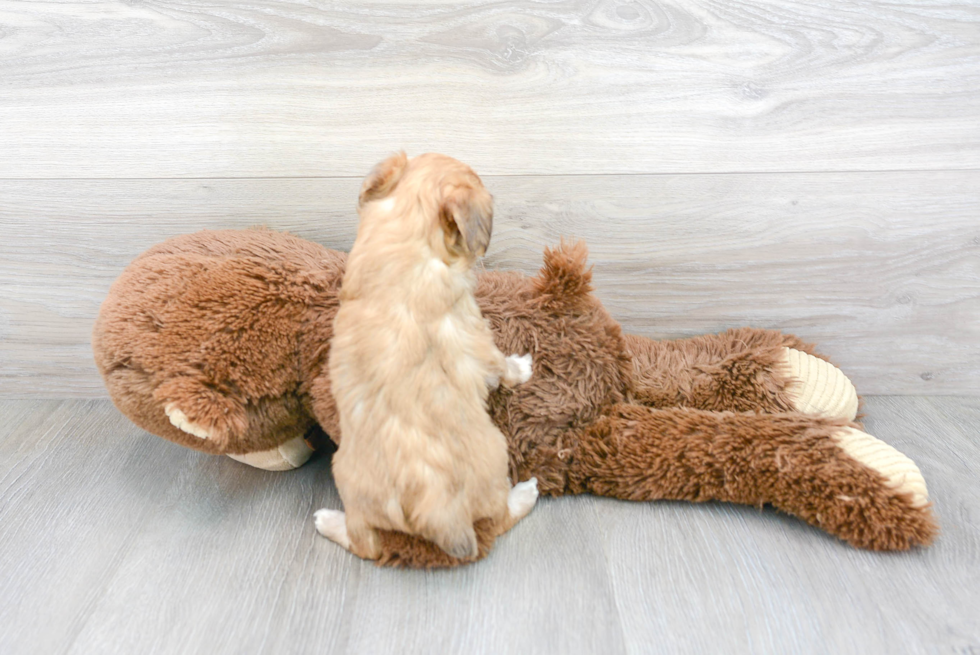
<point>520,501</point>
<point>522,498</point>
<point>365,542</point>
<point>332,524</point>
<point>348,531</point>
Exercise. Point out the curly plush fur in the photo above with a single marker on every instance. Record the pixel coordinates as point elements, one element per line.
<point>234,328</point>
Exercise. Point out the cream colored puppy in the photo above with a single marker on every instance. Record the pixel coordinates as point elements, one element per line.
<point>411,361</point>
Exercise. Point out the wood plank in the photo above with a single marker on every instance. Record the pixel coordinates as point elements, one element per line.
<point>69,508</point>
<point>269,88</point>
<point>115,540</point>
<point>881,269</point>
<point>112,540</point>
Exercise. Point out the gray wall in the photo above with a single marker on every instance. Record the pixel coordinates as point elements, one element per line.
<point>788,166</point>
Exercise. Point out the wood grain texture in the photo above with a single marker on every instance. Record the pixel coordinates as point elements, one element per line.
<point>114,541</point>
<point>881,269</point>
<point>268,88</point>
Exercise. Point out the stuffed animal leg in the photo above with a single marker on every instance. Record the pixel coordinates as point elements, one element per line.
<point>824,471</point>
<point>749,416</point>
<point>740,370</point>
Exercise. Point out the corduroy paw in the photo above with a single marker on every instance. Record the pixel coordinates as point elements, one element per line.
<point>285,457</point>
<point>900,473</point>
<point>180,421</point>
<point>819,388</point>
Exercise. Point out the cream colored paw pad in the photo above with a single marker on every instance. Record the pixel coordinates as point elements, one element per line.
<point>901,472</point>
<point>821,388</point>
<point>180,421</point>
<point>285,457</point>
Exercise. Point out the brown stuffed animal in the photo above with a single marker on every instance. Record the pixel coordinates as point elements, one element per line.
<point>219,340</point>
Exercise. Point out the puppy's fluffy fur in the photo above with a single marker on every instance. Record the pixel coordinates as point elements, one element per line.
<point>411,363</point>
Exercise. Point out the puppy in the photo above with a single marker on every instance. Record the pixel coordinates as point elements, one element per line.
<point>411,363</point>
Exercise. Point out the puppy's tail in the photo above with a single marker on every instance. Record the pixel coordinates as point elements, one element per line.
<point>564,280</point>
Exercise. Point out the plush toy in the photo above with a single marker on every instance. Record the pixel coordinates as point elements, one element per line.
<point>219,341</point>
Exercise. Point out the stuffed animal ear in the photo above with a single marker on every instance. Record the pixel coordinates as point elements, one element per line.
<point>466,218</point>
<point>383,179</point>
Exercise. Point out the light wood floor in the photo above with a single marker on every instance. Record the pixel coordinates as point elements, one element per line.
<point>115,541</point>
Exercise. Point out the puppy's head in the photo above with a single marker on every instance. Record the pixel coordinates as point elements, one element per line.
<point>437,198</point>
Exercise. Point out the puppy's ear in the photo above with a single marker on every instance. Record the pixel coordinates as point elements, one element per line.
<point>383,179</point>
<point>466,218</point>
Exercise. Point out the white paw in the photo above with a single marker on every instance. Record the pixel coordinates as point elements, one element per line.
<point>900,472</point>
<point>522,498</point>
<point>493,382</point>
<point>519,368</point>
<point>180,421</point>
<point>821,388</point>
<point>332,524</point>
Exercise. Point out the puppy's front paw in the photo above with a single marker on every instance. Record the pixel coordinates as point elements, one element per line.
<point>180,421</point>
<point>332,524</point>
<point>522,498</point>
<point>518,370</point>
